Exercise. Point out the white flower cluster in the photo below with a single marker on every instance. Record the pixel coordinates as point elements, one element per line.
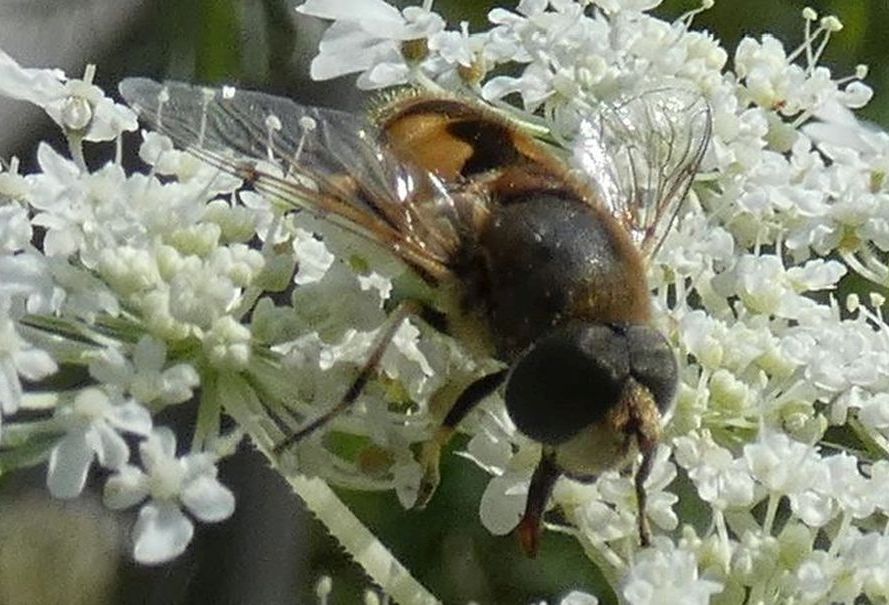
<point>791,200</point>
<point>150,286</point>
<point>139,288</point>
<point>83,255</point>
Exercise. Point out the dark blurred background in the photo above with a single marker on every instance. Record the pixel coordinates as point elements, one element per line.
<point>271,551</point>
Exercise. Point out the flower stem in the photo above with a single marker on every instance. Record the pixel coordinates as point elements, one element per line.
<point>361,544</point>
<point>771,511</point>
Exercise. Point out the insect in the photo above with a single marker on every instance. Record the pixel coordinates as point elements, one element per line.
<point>529,262</point>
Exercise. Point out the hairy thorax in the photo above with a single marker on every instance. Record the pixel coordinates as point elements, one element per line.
<point>543,260</point>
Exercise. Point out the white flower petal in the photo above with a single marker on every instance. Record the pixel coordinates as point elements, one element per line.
<point>500,86</point>
<point>149,355</point>
<point>160,446</point>
<point>10,387</point>
<point>208,500</point>
<point>35,364</point>
<point>111,367</point>
<point>503,503</point>
<point>407,478</point>
<point>109,120</point>
<point>364,10</point>
<point>111,449</point>
<point>28,274</point>
<point>384,74</point>
<point>55,165</point>
<point>199,464</point>
<point>125,488</point>
<point>69,463</point>
<point>313,256</point>
<point>489,452</point>
<point>38,86</point>
<point>161,533</point>
<point>344,37</point>
<point>614,6</point>
<point>346,49</point>
<point>131,417</point>
<point>61,242</point>
<point>575,597</point>
<point>179,382</point>
<point>667,574</point>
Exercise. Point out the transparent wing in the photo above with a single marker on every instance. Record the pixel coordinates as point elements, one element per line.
<point>322,160</point>
<point>642,155</point>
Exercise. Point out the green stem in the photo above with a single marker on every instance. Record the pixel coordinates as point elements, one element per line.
<point>75,148</point>
<point>361,544</point>
<point>771,511</point>
<point>209,412</point>
<point>240,401</point>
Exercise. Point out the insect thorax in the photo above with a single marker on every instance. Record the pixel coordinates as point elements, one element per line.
<point>546,259</point>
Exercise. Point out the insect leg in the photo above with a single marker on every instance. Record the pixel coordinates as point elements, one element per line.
<point>393,323</point>
<point>431,452</point>
<point>648,449</point>
<point>542,481</point>
<point>645,425</point>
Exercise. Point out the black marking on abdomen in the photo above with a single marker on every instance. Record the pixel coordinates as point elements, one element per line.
<point>491,143</point>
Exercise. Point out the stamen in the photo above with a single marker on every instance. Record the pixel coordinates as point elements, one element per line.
<point>809,15</point>
<point>308,125</point>
<point>826,26</point>
<point>118,149</point>
<point>872,313</point>
<point>205,105</point>
<point>829,25</point>
<point>162,98</point>
<point>272,125</point>
<point>688,18</point>
<point>89,73</point>
<point>861,72</point>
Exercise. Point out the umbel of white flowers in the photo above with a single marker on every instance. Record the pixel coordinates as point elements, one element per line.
<point>150,285</point>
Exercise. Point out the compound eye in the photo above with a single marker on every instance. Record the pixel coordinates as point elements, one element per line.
<point>653,364</point>
<point>566,381</point>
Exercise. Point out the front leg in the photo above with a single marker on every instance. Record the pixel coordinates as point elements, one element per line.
<point>546,473</point>
<point>648,448</point>
<point>646,427</point>
<point>430,453</point>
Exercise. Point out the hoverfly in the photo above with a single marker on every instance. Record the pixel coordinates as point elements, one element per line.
<point>531,263</point>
